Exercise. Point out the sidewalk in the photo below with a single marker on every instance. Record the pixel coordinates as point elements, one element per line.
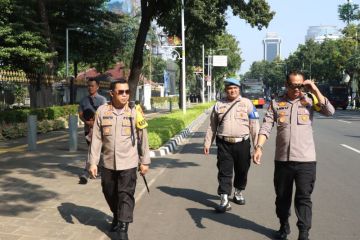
<point>40,195</point>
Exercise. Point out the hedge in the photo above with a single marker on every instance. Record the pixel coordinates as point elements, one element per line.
<point>49,113</point>
<point>161,129</point>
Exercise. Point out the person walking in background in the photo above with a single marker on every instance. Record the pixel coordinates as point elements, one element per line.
<point>120,130</point>
<point>233,120</point>
<point>87,108</point>
<point>295,159</point>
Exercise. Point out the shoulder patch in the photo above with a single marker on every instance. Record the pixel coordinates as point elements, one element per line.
<point>140,119</point>
<point>254,114</point>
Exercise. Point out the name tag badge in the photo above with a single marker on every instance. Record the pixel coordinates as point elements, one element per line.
<point>106,122</point>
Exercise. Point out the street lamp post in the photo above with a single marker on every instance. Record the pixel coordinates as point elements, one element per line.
<point>203,75</point>
<point>183,57</point>
<point>67,61</point>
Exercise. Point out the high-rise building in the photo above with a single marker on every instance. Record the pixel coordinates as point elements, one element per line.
<point>130,7</point>
<point>272,47</point>
<point>322,32</point>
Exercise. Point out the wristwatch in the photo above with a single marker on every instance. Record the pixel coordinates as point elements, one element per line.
<point>259,146</point>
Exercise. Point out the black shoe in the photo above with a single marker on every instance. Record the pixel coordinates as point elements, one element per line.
<point>224,204</point>
<point>283,231</point>
<point>238,197</point>
<point>83,179</point>
<point>122,230</point>
<point>303,235</point>
<point>114,224</point>
<point>222,209</point>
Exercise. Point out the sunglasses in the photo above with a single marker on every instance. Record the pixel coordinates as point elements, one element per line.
<point>294,86</point>
<point>121,92</point>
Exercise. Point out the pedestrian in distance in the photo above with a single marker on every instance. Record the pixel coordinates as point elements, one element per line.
<point>87,108</point>
<point>233,121</point>
<point>295,159</point>
<point>120,132</point>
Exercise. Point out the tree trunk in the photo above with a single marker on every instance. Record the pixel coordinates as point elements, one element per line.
<point>147,12</point>
<point>47,33</point>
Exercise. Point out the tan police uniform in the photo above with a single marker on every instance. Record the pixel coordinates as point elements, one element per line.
<point>294,119</point>
<point>112,134</point>
<point>233,140</point>
<point>122,136</point>
<point>295,158</point>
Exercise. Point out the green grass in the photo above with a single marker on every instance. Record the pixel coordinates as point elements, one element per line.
<point>163,128</point>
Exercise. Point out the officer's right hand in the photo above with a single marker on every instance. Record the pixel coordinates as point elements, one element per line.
<point>93,169</point>
<point>257,156</point>
<point>206,150</point>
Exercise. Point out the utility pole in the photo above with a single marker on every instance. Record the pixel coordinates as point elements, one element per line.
<point>203,75</point>
<point>183,57</point>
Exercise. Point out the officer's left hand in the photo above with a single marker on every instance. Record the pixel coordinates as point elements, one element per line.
<point>310,85</point>
<point>257,156</point>
<point>143,169</point>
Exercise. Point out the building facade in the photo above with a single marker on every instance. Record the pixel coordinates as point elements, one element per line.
<point>272,46</point>
<point>322,32</point>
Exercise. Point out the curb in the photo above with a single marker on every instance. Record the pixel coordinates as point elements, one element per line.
<point>173,144</point>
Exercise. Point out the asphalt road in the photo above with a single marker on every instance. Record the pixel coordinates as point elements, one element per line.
<point>183,194</point>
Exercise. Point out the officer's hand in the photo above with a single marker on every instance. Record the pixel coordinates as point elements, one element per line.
<point>143,169</point>
<point>93,169</point>
<point>310,85</point>
<point>257,156</point>
<point>206,150</point>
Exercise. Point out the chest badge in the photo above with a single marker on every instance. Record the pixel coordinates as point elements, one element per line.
<point>282,119</point>
<point>282,104</point>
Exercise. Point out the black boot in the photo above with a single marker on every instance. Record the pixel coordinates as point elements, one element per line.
<point>122,230</point>
<point>114,224</point>
<point>284,230</point>
<point>303,235</point>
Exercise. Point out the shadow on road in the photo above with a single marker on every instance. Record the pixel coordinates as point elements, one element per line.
<point>87,216</point>
<point>206,199</point>
<point>21,196</point>
<point>171,163</point>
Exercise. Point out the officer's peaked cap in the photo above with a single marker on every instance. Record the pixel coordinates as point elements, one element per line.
<point>232,81</point>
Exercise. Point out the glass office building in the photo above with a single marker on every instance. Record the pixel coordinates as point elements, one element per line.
<point>272,46</point>
<point>320,33</point>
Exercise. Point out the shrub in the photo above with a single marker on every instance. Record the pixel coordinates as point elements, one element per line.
<point>163,128</point>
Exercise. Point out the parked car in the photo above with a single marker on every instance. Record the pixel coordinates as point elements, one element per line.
<point>337,94</point>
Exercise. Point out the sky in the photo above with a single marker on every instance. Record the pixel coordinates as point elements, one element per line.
<point>291,21</point>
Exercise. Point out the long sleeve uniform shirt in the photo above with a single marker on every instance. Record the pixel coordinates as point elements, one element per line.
<point>241,120</point>
<point>122,147</point>
<point>294,120</point>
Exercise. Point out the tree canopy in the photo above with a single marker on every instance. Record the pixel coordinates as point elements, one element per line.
<point>204,19</point>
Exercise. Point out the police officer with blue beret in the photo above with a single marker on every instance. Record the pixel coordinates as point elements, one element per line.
<point>233,121</point>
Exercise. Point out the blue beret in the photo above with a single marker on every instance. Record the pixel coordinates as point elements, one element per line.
<point>232,81</point>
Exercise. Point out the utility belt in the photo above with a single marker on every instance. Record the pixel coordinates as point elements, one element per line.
<point>233,139</point>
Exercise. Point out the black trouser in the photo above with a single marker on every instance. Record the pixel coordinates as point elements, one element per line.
<point>119,189</point>
<point>304,175</point>
<point>232,157</point>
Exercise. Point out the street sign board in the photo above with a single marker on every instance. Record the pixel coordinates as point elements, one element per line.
<point>220,61</point>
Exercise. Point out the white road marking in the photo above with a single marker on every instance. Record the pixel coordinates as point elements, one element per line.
<point>351,148</point>
<point>344,121</point>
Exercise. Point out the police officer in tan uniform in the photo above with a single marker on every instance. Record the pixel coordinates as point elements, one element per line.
<point>233,121</point>
<point>295,159</point>
<point>120,132</point>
